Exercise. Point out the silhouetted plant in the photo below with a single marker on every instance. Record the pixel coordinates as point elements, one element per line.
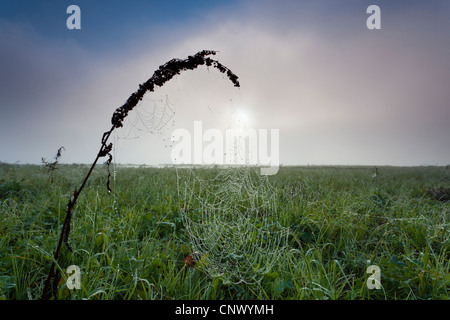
<point>52,166</point>
<point>165,72</point>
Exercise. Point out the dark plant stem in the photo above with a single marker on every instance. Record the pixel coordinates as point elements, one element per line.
<point>159,78</point>
<point>64,237</point>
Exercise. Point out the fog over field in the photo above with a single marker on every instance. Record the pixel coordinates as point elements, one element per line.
<point>339,93</point>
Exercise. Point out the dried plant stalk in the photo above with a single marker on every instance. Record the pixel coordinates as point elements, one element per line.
<point>165,72</point>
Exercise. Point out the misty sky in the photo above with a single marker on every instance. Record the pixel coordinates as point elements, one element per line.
<point>339,93</point>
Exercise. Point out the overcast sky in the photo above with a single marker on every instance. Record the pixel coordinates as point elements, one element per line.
<point>339,93</point>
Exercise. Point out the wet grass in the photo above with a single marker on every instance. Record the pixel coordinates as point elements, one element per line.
<point>131,244</point>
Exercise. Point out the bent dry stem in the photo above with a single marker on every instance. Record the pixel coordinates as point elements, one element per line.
<point>158,79</point>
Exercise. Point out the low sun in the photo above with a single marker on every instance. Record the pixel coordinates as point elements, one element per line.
<point>242,117</point>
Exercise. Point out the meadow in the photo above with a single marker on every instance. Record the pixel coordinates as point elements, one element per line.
<point>132,243</point>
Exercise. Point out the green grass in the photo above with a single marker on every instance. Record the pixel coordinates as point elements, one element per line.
<point>131,244</point>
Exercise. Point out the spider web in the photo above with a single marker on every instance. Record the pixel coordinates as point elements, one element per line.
<point>232,222</point>
<point>151,116</point>
<point>229,213</point>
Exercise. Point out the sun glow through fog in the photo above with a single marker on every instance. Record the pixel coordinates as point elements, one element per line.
<point>241,118</point>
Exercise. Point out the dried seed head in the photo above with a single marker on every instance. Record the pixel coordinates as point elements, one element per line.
<point>166,72</point>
